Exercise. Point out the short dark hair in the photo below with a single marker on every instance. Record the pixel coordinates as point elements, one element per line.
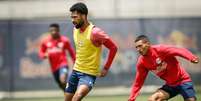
<point>80,8</point>
<point>142,37</point>
<point>54,25</point>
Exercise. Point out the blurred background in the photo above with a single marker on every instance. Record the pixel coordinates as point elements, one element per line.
<point>24,23</point>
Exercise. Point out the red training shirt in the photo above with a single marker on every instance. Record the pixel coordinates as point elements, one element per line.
<point>161,60</point>
<point>56,50</point>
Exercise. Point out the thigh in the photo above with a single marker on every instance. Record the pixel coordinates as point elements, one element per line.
<point>159,95</point>
<point>63,73</point>
<point>81,92</point>
<point>87,80</point>
<point>56,76</point>
<point>187,91</point>
<point>61,84</point>
<point>171,91</point>
<point>85,84</point>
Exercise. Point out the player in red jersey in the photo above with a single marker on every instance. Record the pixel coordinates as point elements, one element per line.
<point>161,60</point>
<point>54,48</point>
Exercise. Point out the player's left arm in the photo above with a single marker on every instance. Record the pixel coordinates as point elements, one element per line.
<point>70,49</point>
<point>43,51</point>
<point>169,50</point>
<point>112,52</point>
<point>102,38</point>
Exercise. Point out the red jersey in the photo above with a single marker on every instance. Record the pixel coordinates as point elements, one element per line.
<point>161,60</point>
<point>56,50</point>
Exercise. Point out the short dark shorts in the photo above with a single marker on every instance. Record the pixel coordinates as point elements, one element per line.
<point>78,78</point>
<point>185,89</point>
<point>62,70</point>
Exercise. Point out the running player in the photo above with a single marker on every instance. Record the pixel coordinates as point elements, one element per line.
<point>88,40</point>
<point>161,60</point>
<point>54,47</point>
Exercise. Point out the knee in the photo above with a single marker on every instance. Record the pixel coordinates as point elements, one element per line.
<point>68,97</point>
<point>63,79</point>
<point>151,98</point>
<point>160,99</point>
<point>191,99</point>
<point>77,97</point>
<point>155,98</point>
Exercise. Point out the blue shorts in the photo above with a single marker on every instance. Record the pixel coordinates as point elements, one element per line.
<point>77,78</point>
<point>62,70</point>
<point>185,89</point>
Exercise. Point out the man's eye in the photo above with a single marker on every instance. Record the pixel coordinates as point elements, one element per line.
<point>139,46</point>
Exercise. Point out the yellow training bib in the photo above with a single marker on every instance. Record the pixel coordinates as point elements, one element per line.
<point>87,55</point>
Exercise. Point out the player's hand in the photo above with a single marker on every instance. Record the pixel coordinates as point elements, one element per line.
<point>131,100</point>
<point>195,61</point>
<point>103,73</point>
<point>46,55</point>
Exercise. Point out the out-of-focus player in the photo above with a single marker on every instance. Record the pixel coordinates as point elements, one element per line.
<point>161,60</point>
<point>88,40</point>
<point>54,48</point>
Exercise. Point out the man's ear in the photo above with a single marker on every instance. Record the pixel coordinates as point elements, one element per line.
<point>148,43</point>
<point>84,16</point>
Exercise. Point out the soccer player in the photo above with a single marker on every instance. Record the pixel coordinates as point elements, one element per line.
<point>161,60</point>
<point>88,40</point>
<point>54,48</point>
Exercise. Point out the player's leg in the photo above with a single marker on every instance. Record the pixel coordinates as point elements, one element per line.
<point>86,83</point>
<point>56,77</point>
<point>81,92</point>
<point>159,95</point>
<point>190,99</point>
<point>187,91</point>
<point>71,86</point>
<point>63,73</point>
<point>163,94</point>
<point>68,96</point>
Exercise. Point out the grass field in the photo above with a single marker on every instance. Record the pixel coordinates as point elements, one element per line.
<point>101,98</point>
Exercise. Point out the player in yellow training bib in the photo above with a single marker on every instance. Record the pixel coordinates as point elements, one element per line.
<point>88,41</point>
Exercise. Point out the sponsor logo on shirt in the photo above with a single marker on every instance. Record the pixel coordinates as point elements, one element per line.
<point>161,66</point>
<point>54,49</point>
<point>80,43</point>
<point>60,44</point>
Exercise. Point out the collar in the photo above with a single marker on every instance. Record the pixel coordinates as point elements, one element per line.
<point>149,52</point>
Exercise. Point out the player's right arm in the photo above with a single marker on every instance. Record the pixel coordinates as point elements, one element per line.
<point>43,51</point>
<point>99,37</point>
<point>141,74</point>
<point>169,50</point>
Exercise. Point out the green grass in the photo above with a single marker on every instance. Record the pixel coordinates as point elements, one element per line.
<point>101,98</point>
<point>139,98</point>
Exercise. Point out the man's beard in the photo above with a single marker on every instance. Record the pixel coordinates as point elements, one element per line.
<point>55,36</point>
<point>79,25</point>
